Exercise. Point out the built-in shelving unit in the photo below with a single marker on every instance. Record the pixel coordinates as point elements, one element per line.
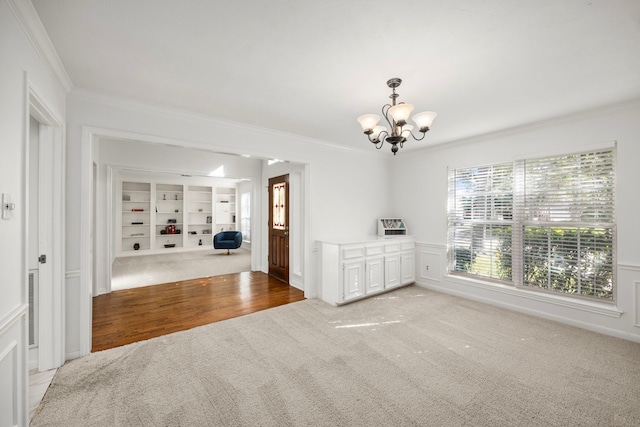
<point>163,217</point>
<point>136,218</point>
<point>200,213</point>
<point>225,209</point>
<point>169,216</point>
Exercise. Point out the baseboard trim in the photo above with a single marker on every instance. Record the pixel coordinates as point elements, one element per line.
<point>601,309</point>
<point>561,319</point>
<point>73,355</point>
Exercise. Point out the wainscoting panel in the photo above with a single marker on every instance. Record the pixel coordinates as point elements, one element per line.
<point>637,305</point>
<point>430,261</point>
<point>430,266</point>
<point>13,369</point>
<point>77,324</point>
<point>9,384</point>
<point>628,282</point>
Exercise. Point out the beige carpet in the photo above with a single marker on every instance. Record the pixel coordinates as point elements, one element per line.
<point>144,270</point>
<point>410,357</point>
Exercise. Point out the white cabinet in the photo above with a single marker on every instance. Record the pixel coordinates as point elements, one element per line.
<point>374,269</point>
<point>407,260</point>
<point>392,271</point>
<point>353,278</point>
<point>351,271</point>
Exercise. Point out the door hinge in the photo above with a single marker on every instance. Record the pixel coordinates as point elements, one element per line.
<point>42,259</point>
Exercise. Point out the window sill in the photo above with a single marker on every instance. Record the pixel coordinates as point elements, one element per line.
<point>588,306</point>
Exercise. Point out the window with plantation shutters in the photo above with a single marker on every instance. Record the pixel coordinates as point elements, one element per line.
<point>545,223</point>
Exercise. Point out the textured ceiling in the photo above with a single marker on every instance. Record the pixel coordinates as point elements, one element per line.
<point>312,67</point>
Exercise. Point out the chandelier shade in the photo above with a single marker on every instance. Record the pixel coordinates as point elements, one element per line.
<point>397,116</point>
<point>401,112</point>
<point>406,130</point>
<point>424,119</point>
<point>368,121</point>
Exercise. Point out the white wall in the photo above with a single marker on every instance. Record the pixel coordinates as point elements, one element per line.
<point>424,206</point>
<point>174,159</point>
<point>20,67</point>
<point>335,177</point>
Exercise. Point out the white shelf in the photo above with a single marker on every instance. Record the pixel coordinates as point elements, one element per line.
<point>135,195</point>
<point>225,209</point>
<point>200,207</point>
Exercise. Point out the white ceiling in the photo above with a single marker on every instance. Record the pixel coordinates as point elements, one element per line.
<point>311,67</point>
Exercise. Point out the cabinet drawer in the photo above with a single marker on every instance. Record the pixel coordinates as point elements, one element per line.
<point>352,252</point>
<point>392,247</point>
<point>374,250</point>
<point>405,246</point>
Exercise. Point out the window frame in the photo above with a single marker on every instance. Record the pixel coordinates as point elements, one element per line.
<point>245,221</point>
<point>518,221</point>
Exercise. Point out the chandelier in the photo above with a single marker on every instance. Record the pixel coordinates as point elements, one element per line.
<point>399,113</point>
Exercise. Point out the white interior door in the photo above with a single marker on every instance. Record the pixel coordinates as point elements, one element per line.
<point>45,253</point>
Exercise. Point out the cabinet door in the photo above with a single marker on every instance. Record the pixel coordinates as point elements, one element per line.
<point>408,267</point>
<point>375,274</point>
<point>353,279</point>
<point>392,272</point>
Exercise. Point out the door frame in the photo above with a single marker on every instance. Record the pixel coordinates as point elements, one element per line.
<point>91,135</point>
<point>51,325</point>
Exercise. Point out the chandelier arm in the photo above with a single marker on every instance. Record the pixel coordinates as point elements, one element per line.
<point>385,113</point>
<point>380,142</point>
<point>421,138</point>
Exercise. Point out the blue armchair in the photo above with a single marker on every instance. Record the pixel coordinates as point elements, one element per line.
<point>227,240</point>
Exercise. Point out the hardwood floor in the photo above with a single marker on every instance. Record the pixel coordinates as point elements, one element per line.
<point>130,315</point>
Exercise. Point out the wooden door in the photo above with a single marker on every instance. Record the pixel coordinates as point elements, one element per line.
<point>279,227</point>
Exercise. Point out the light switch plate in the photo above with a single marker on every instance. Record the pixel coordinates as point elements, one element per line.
<point>7,206</point>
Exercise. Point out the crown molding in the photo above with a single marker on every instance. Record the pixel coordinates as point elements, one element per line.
<point>176,113</point>
<point>28,18</point>
<point>540,124</point>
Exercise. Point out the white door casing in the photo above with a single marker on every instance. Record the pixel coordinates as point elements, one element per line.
<point>50,233</point>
